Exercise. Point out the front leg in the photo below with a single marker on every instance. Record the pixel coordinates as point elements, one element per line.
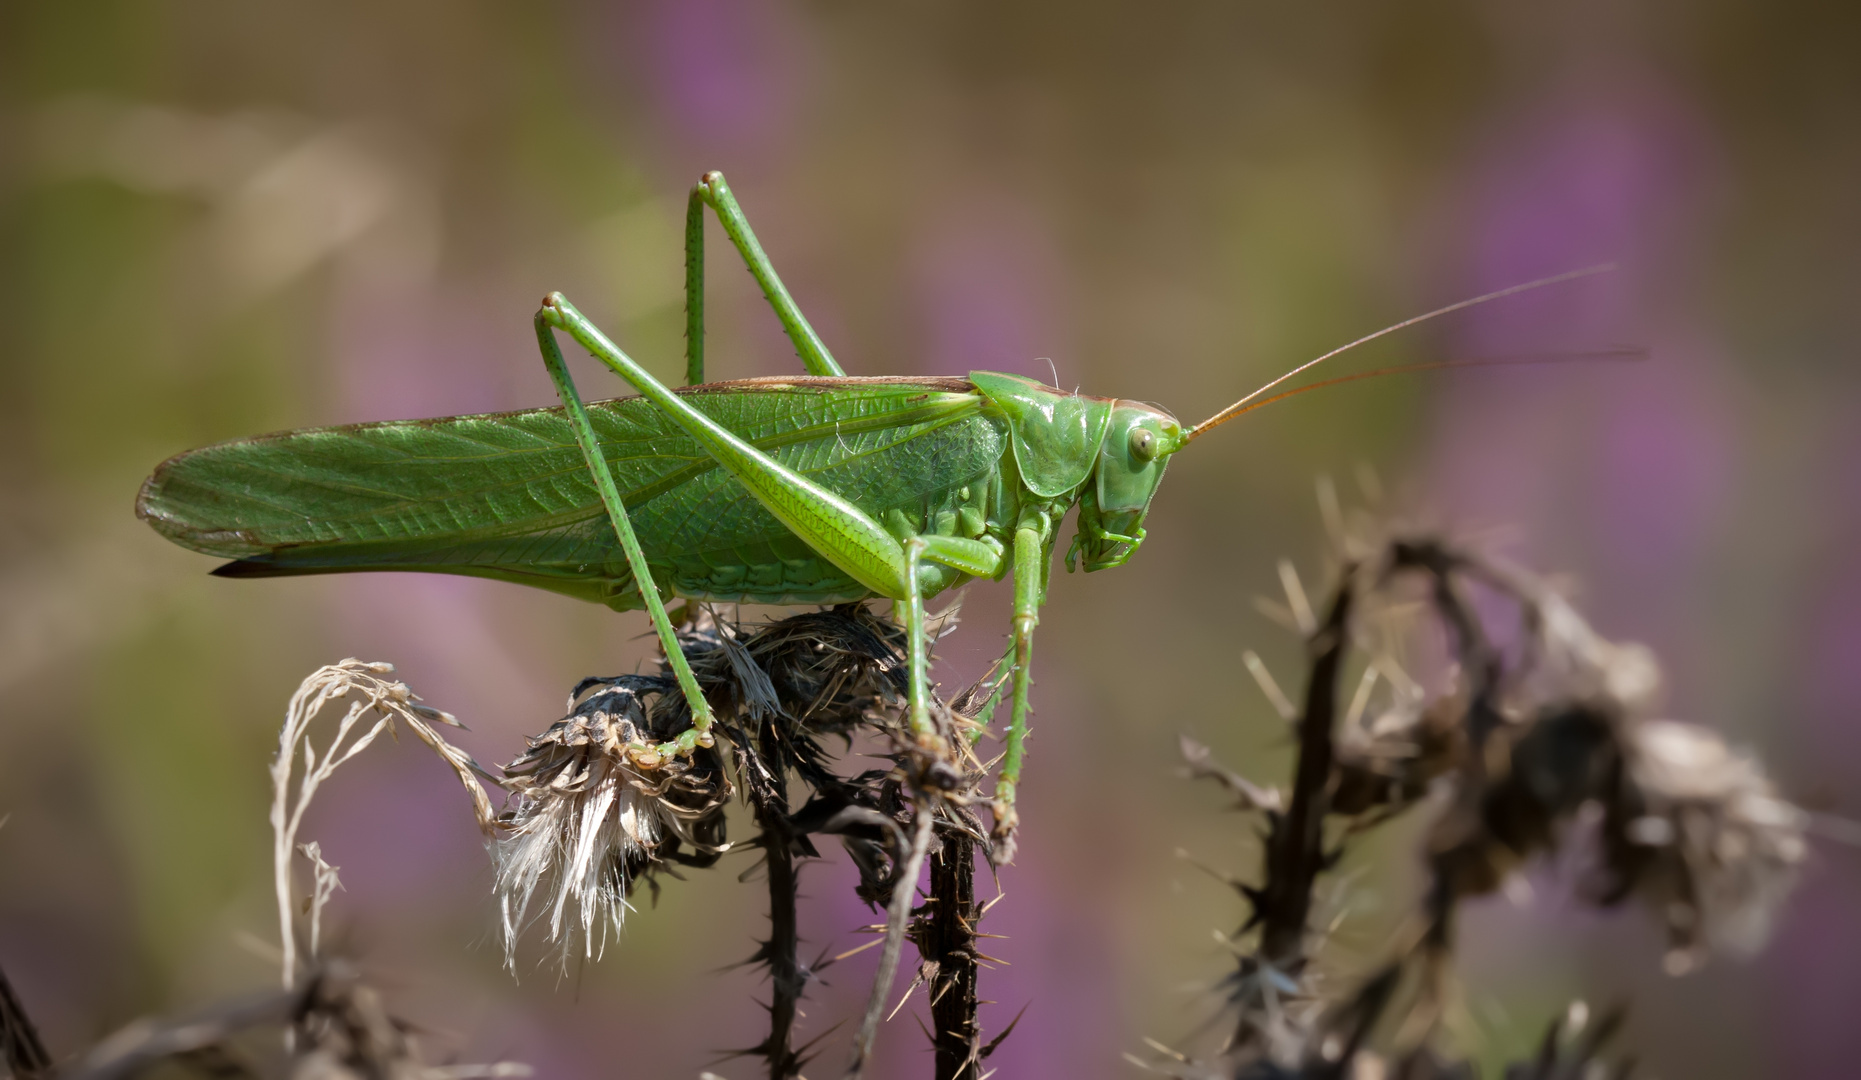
<point>1030,558</point>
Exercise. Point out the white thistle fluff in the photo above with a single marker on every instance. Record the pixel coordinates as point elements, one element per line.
<point>1733,844</point>
<point>588,822</point>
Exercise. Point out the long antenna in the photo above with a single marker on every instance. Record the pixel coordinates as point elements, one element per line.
<point>1600,355</point>
<point>1236,409</point>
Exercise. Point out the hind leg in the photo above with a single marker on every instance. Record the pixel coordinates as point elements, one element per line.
<point>712,191</point>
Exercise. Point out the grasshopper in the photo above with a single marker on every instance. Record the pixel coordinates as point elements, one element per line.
<point>806,490</point>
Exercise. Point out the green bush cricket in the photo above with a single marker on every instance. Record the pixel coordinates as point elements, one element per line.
<point>805,490</point>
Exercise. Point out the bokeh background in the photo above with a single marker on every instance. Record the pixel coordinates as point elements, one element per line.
<point>223,218</point>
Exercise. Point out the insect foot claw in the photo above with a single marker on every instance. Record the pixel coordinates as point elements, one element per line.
<point>652,757</point>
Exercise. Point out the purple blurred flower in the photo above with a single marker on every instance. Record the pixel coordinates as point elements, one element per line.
<point>1630,465</point>
<point>720,72</point>
<point>988,282</point>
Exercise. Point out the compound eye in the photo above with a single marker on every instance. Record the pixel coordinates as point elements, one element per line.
<point>1143,443</point>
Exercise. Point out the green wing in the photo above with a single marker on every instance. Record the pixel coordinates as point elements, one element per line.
<point>508,496</point>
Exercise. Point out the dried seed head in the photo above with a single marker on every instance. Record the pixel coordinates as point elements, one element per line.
<point>595,811</point>
<point>598,807</point>
<point>1721,848</point>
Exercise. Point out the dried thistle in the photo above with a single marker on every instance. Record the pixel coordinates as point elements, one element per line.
<point>1690,826</point>
<point>1536,747</point>
<point>1715,849</point>
<point>592,818</point>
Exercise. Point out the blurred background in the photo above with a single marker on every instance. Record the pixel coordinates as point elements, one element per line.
<point>220,218</point>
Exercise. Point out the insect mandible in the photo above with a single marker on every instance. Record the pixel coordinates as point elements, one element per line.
<point>805,490</point>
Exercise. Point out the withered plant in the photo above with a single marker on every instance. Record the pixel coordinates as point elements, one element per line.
<point>1439,681</point>
<point>587,821</point>
<point>1535,736</point>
